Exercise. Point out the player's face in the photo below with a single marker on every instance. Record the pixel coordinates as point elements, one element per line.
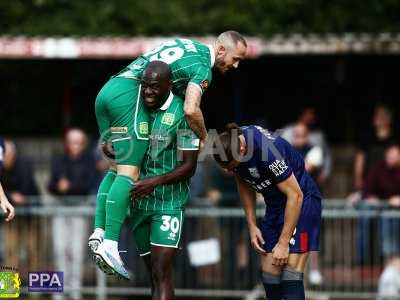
<point>154,90</point>
<point>228,59</point>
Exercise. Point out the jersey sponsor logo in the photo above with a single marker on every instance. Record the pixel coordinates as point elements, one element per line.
<point>263,184</point>
<point>254,172</point>
<point>204,85</point>
<point>168,119</point>
<point>278,167</point>
<point>259,186</point>
<point>119,129</point>
<point>143,128</point>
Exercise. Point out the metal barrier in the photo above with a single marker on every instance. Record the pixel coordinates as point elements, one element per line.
<point>350,265</point>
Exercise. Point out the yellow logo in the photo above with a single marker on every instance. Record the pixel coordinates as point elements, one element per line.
<point>143,128</point>
<point>119,129</point>
<point>10,284</point>
<point>168,119</point>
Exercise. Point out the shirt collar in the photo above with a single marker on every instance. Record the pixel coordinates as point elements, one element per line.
<point>212,55</point>
<point>168,102</point>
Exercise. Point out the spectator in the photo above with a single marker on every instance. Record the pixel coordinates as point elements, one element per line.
<point>372,144</point>
<point>370,150</point>
<point>222,190</point>
<point>23,237</point>
<point>313,155</point>
<point>382,186</point>
<point>314,160</point>
<point>308,117</point>
<point>72,174</point>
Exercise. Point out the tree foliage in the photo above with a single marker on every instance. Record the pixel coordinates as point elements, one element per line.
<point>200,17</point>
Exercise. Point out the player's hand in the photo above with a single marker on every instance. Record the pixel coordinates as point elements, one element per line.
<point>257,240</point>
<point>17,198</point>
<point>63,185</point>
<point>144,187</point>
<point>280,254</point>
<point>7,208</point>
<point>203,142</point>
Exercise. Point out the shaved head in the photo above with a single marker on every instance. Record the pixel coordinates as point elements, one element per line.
<point>231,39</point>
<point>230,48</point>
<point>156,84</point>
<point>157,70</point>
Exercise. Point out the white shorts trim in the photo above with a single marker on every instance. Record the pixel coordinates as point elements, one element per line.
<point>121,139</point>
<point>144,254</point>
<point>167,246</point>
<point>188,149</point>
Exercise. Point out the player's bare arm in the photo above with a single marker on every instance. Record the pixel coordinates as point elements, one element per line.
<point>6,206</point>
<point>294,195</point>
<point>248,199</point>
<point>183,172</point>
<point>193,113</point>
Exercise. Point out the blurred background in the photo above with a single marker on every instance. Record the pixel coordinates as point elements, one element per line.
<point>324,73</point>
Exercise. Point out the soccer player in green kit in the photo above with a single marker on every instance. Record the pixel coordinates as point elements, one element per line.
<point>123,120</point>
<point>161,194</point>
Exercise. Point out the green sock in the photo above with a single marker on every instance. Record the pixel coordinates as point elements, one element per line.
<point>117,206</point>
<point>102,193</point>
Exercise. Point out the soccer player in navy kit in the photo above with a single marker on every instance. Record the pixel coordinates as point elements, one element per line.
<point>291,226</point>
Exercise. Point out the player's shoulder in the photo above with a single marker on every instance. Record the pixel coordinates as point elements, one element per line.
<point>177,106</point>
<point>264,138</point>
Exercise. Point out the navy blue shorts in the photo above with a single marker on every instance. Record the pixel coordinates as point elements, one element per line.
<point>306,234</point>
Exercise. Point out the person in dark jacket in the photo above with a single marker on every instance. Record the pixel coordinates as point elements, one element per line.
<point>72,174</point>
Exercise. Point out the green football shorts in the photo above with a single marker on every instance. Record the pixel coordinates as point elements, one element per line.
<point>123,120</point>
<point>156,228</point>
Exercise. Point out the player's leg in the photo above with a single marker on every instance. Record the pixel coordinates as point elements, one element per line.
<point>271,274</point>
<point>165,234</point>
<point>129,130</point>
<point>128,134</point>
<point>162,259</point>
<point>271,277</point>
<point>141,234</point>
<point>305,239</point>
<point>103,122</point>
<point>292,277</point>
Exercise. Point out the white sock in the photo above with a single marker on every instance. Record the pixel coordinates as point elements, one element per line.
<point>99,231</point>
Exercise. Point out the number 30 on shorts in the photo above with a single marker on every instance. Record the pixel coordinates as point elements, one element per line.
<point>170,223</point>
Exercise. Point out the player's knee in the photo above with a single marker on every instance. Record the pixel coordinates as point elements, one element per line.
<point>127,170</point>
<point>158,272</point>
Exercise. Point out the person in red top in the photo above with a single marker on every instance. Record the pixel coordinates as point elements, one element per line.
<point>382,186</point>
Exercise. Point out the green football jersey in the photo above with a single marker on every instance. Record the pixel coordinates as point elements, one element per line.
<point>169,133</point>
<point>190,62</point>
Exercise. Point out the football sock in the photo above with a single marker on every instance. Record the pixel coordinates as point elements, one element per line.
<point>117,204</point>
<point>100,216</point>
<point>272,286</point>
<point>292,285</point>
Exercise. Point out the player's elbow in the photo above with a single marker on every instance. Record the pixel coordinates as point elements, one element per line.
<point>190,111</point>
<point>300,197</point>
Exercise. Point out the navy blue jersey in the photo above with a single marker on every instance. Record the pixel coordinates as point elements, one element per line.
<point>270,160</point>
<point>2,151</point>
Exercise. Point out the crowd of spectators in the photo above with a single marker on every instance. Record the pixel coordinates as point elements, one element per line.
<point>78,170</point>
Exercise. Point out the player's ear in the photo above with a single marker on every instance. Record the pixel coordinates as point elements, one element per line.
<point>221,50</point>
